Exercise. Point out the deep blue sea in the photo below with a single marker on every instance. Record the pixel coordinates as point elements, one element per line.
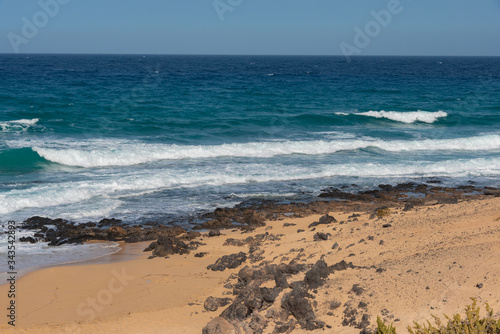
<point>155,138</point>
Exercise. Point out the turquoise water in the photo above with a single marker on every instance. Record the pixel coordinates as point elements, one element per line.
<point>155,138</point>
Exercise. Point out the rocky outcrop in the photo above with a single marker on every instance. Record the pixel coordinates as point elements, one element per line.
<point>256,307</point>
<point>228,262</point>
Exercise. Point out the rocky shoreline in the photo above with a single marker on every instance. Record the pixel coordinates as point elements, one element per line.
<point>332,265</point>
<point>247,216</point>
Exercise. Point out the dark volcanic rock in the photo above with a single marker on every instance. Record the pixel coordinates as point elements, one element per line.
<point>169,245</point>
<point>492,192</point>
<point>219,326</point>
<point>316,276</point>
<point>151,246</point>
<point>66,232</point>
<point>342,265</point>
<point>251,298</point>
<point>109,222</point>
<point>191,235</point>
<point>214,233</point>
<point>228,261</point>
<point>324,220</point>
<point>116,233</point>
<point>349,316</point>
<point>37,223</point>
<point>408,206</point>
<point>27,239</point>
<point>357,289</point>
<point>212,303</point>
<point>298,305</point>
<point>320,236</point>
<point>233,217</point>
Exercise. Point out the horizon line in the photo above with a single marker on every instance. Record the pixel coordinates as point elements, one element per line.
<point>235,55</point>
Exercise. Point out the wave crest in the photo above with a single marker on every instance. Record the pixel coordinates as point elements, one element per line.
<point>99,154</point>
<point>19,125</point>
<point>408,117</point>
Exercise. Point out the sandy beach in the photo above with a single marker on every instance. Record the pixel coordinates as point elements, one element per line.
<point>407,265</point>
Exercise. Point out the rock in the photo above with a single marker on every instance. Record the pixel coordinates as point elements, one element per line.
<point>151,246</point>
<point>116,233</point>
<point>27,239</point>
<point>214,233</point>
<point>251,298</point>
<point>335,245</point>
<point>109,222</point>
<point>219,325</point>
<point>212,304</point>
<point>190,235</point>
<point>358,290</point>
<point>479,285</point>
<point>386,225</point>
<point>365,322</point>
<point>168,246</point>
<point>202,254</point>
<point>316,276</point>
<point>282,328</point>
<point>342,265</point>
<point>349,316</point>
<point>296,303</point>
<point>324,220</point>
<point>334,304</point>
<point>314,324</point>
<point>320,236</point>
<point>228,262</point>
<point>257,324</point>
<point>386,187</point>
<point>336,193</point>
<point>281,281</point>
<point>492,192</point>
<point>37,223</point>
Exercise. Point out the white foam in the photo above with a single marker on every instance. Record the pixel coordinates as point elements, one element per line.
<point>404,117</point>
<point>126,153</point>
<point>19,125</point>
<point>103,192</point>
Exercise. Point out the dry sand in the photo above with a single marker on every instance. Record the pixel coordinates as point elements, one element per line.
<point>433,258</point>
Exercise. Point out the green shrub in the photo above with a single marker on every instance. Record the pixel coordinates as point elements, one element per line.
<point>471,324</point>
<point>382,328</point>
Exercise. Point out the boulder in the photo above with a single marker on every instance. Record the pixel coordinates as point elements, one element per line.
<point>220,325</point>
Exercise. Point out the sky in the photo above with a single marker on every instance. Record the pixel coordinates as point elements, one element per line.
<point>252,27</point>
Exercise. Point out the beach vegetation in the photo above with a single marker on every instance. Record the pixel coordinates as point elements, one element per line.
<point>383,212</point>
<point>471,323</point>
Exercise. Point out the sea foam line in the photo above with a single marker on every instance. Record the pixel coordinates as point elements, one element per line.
<point>18,125</point>
<point>133,153</point>
<point>404,117</point>
<point>103,189</point>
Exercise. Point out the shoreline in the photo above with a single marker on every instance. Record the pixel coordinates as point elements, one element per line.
<point>431,260</point>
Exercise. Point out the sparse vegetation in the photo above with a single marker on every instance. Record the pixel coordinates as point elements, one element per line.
<point>382,328</point>
<point>471,324</point>
<point>383,212</point>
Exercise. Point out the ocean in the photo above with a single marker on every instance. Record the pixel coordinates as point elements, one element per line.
<point>164,138</point>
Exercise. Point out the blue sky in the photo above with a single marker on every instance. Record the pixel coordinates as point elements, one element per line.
<point>309,27</point>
